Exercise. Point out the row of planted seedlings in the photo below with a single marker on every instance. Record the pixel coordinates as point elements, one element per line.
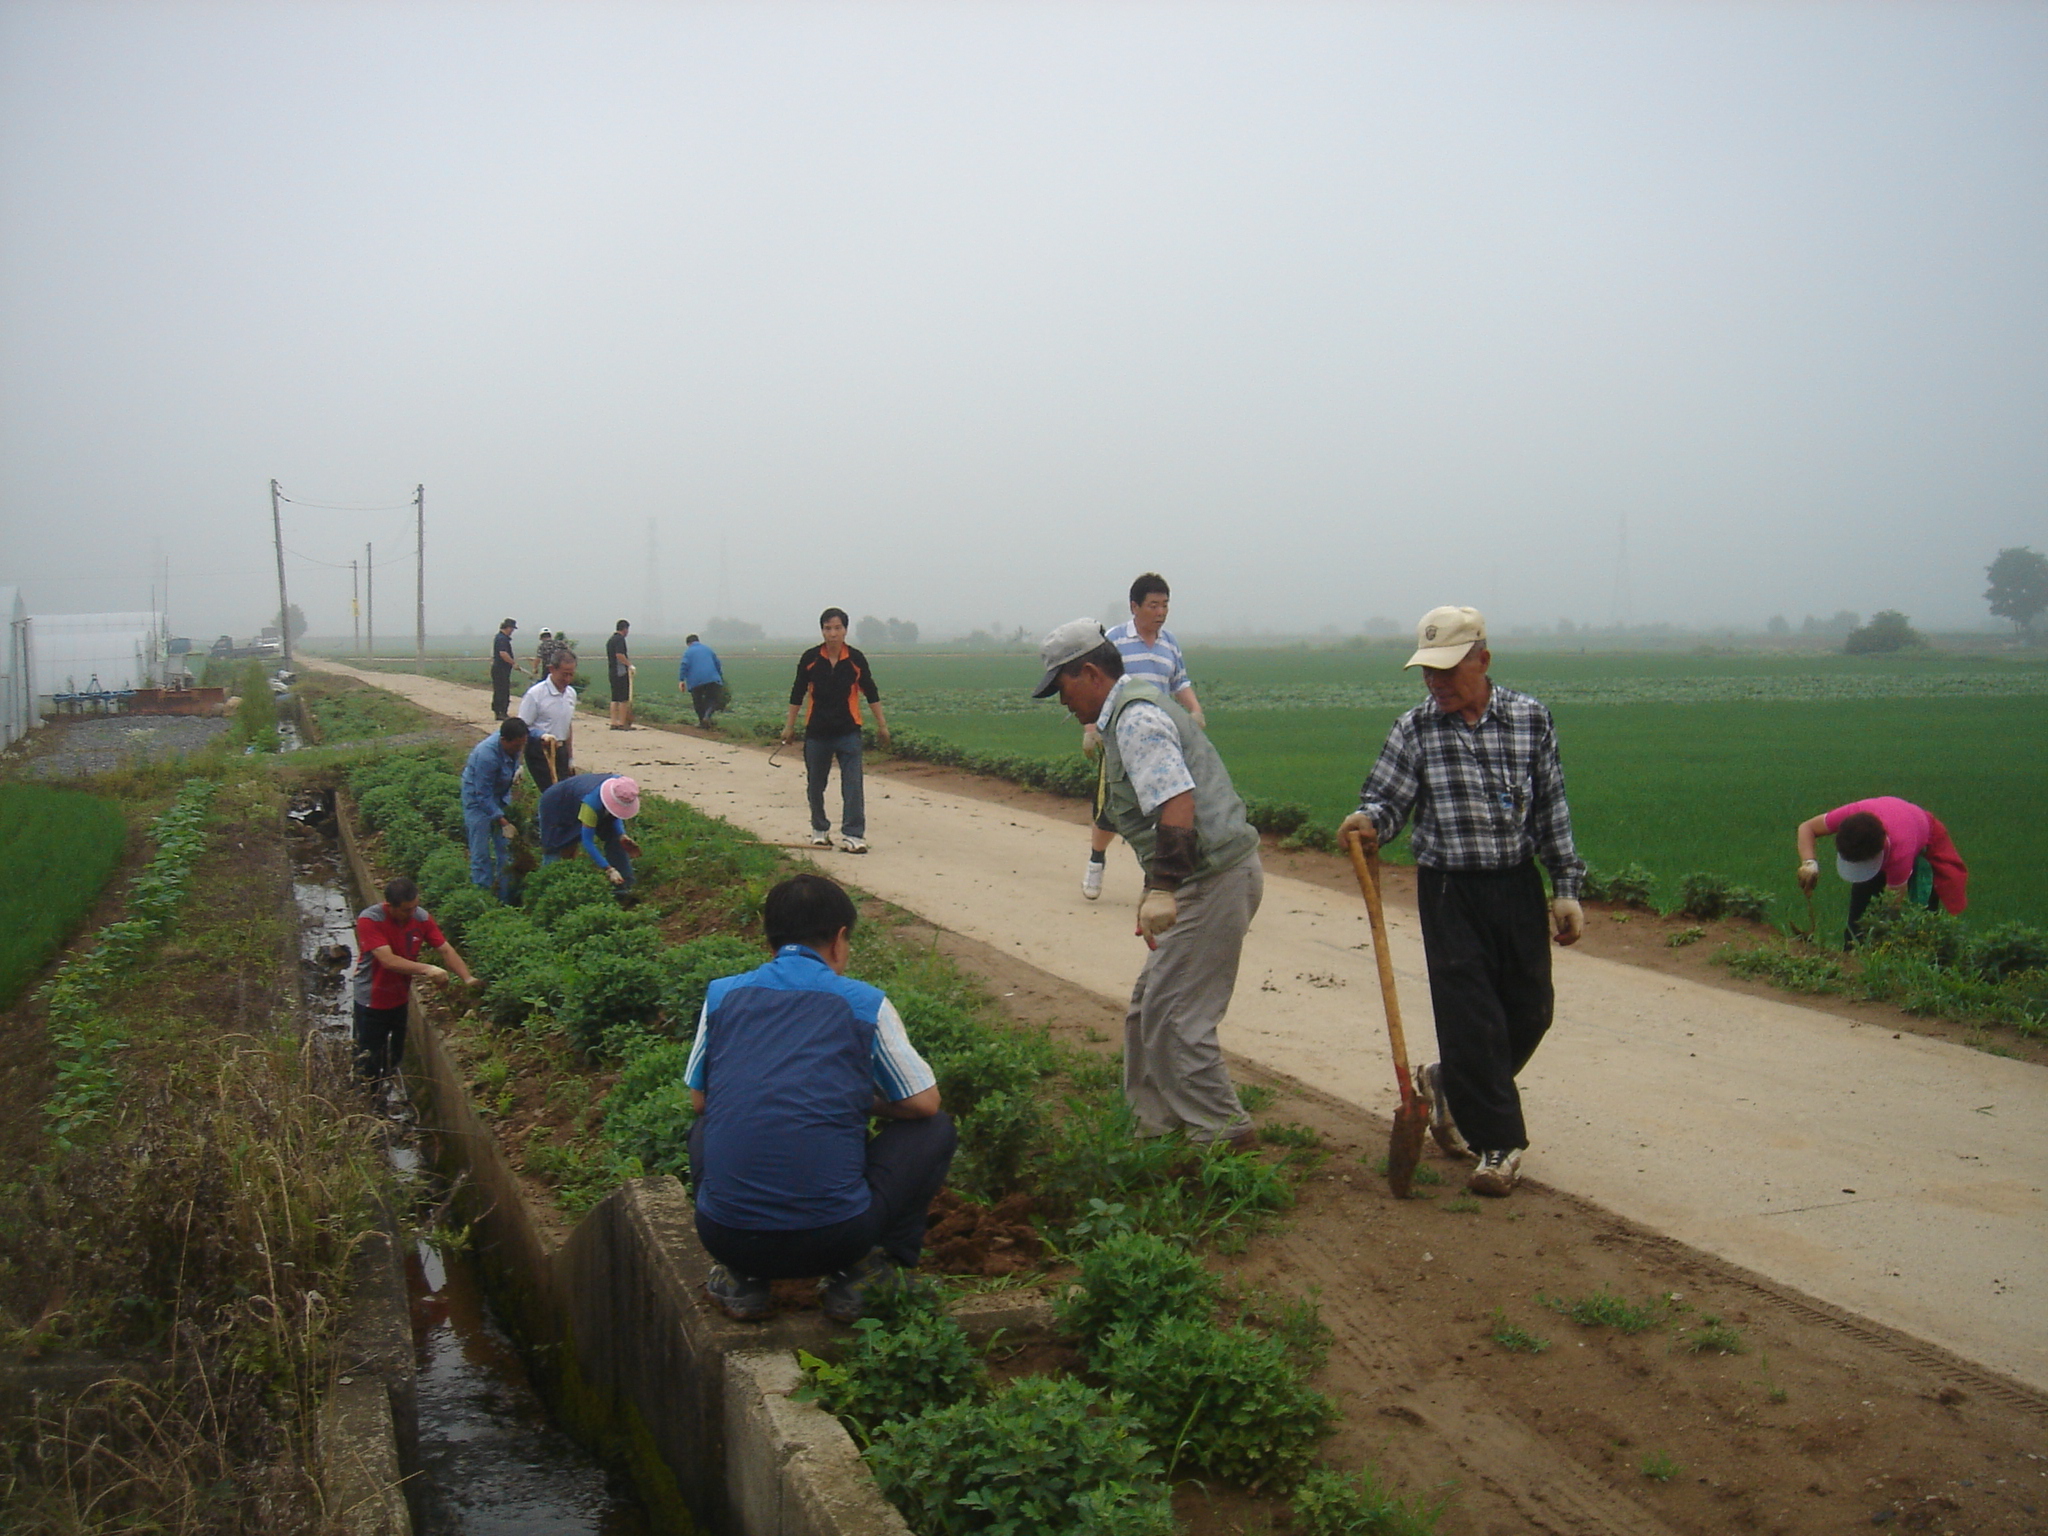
<point>578,1039</point>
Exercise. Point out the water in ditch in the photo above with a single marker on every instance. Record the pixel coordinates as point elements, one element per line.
<point>491,1462</point>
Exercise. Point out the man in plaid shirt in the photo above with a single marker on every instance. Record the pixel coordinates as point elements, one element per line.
<point>1477,767</point>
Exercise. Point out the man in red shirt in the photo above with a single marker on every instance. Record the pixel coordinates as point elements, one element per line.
<point>389,939</point>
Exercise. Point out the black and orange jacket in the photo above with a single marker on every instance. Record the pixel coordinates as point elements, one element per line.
<point>834,690</point>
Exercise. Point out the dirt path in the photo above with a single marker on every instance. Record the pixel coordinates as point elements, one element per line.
<point>1827,1420</point>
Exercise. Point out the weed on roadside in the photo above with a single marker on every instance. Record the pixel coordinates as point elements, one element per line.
<point>1658,1467</point>
<point>1464,1205</point>
<point>1514,1337</point>
<point>1606,1309</point>
<point>1359,1504</point>
<point>1711,1336</point>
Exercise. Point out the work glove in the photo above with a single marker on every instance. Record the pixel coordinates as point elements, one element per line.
<point>615,877</point>
<point>1361,825</point>
<point>1567,920</point>
<point>1157,912</point>
<point>436,975</point>
<point>1091,742</point>
<point>1809,875</point>
<point>1201,720</point>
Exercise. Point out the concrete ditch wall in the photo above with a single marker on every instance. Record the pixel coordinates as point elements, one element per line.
<point>632,1356</point>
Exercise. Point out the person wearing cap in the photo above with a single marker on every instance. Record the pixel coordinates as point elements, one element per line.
<point>618,666</point>
<point>488,778</point>
<point>502,663</point>
<point>1149,650</point>
<point>831,679</point>
<point>586,813</point>
<point>547,650</point>
<point>1477,766</point>
<point>549,710</point>
<point>700,676</point>
<point>1886,843</point>
<point>790,1065</point>
<point>1164,790</point>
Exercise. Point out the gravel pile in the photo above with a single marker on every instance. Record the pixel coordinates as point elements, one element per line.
<point>70,748</point>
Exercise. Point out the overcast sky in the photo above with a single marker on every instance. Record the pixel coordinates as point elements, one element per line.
<point>967,313</point>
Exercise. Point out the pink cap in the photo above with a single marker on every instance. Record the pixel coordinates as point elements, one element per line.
<point>620,796</point>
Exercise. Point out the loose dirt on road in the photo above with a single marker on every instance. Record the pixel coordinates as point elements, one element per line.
<point>1826,1420</point>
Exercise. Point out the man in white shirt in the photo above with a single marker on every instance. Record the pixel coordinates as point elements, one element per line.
<point>549,710</point>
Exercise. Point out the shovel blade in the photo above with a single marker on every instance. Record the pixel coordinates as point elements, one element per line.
<point>1404,1146</point>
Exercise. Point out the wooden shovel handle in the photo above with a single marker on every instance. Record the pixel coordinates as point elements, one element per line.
<point>1367,867</point>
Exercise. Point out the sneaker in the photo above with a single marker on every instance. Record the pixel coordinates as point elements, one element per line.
<point>741,1299</point>
<point>844,1296</point>
<point>1091,879</point>
<point>855,845</point>
<point>1429,1081</point>
<point>1497,1173</point>
<point>821,839</point>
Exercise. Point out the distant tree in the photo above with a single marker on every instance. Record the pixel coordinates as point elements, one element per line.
<point>1840,624</point>
<point>2019,587</point>
<point>294,624</point>
<point>1778,625</point>
<point>1567,627</point>
<point>870,632</point>
<point>901,632</point>
<point>1887,631</point>
<point>733,632</point>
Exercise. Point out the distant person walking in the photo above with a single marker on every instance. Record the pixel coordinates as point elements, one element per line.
<point>502,663</point>
<point>1166,792</point>
<point>545,651</point>
<point>1149,650</point>
<point>587,814</point>
<point>390,937</point>
<point>488,779</point>
<point>701,677</point>
<point>549,710</point>
<point>1478,768</point>
<point>618,667</point>
<point>831,680</point>
<point>1886,843</point>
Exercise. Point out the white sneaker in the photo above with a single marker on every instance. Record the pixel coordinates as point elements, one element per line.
<point>1091,879</point>
<point>855,845</point>
<point>1497,1173</point>
<point>1429,1081</point>
<point>821,839</point>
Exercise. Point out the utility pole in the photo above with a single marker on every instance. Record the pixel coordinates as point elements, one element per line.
<point>284,622</point>
<point>419,640</point>
<point>370,602</point>
<point>355,600</point>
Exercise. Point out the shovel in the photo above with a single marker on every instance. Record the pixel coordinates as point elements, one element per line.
<point>1411,1119</point>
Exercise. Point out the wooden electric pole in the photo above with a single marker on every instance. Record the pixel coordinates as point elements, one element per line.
<point>370,602</point>
<point>419,639</point>
<point>355,600</point>
<point>284,619</point>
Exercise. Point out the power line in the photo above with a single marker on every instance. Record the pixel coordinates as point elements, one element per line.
<point>335,506</point>
<point>343,565</point>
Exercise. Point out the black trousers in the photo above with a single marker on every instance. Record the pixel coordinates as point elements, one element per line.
<point>501,690</point>
<point>1861,895</point>
<point>540,767</point>
<point>907,1163</point>
<point>380,1040</point>
<point>1486,937</point>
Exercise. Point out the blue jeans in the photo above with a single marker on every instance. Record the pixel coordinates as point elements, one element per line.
<point>489,863</point>
<point>614,851</point>
<point>819,752</point>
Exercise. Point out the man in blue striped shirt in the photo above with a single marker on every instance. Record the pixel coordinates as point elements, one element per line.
<point>1149,650</point>
<point>790,1062</point>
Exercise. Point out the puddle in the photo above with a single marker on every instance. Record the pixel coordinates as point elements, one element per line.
<point>491,1461</point>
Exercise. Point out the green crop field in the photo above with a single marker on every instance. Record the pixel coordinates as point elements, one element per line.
<point>59,848</point>
<point>1679,762</point>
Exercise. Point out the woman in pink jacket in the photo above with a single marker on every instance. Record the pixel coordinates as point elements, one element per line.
<point>1886,843</point>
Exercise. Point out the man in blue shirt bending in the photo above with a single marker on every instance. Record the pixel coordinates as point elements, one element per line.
<point>789,1064</point>
<point>487,782</point>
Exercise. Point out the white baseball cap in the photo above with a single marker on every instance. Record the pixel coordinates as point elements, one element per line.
<point>1446,636</point>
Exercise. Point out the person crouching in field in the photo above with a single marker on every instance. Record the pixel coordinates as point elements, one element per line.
<point>789,1064</point>
<point>1164,791</point>
<point>390,938</point>
<point>586,813</point>
<point>1478,768</point>
<point>1886,843</point>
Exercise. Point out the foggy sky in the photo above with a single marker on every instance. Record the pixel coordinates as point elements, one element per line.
<point>967,313</point>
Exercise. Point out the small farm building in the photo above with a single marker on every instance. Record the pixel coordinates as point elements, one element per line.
<point>17,671</point>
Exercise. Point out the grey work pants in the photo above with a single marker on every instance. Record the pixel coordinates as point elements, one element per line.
<point>1174,1077</point>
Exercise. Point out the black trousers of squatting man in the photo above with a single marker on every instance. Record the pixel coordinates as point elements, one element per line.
<point>1486,937</point>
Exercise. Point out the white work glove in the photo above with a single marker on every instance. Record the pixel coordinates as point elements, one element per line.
<point>1567,920</point>
<point>1201,720</point>
<point>435,974</point>
<point>1809,875</point>
<point>1091,742</point>
<point>1361,824</point>
<point>614,876</point>
<point>1157,912</point>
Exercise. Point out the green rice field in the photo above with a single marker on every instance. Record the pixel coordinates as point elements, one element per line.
<point>59,848</point>
<point>1679,762</point>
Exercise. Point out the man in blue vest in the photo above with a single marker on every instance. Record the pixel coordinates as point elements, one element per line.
<point>789,1064</point>
<point>1164,790</point>
<point>488,778</point>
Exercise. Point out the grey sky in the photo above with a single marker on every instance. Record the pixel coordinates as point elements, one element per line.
<point>967,313</point>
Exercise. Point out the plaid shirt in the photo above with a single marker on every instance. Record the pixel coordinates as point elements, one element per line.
<point>1485,796</point>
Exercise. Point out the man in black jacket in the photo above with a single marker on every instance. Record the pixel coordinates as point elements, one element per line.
<point>831,680</point>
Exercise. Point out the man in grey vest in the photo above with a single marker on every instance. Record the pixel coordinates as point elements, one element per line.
<point>1168,795</point>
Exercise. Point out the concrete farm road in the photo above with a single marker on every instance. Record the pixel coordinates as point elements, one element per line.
<point>1891,1175</point>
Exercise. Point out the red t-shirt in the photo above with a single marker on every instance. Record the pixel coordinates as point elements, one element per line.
<point>378,986</point>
